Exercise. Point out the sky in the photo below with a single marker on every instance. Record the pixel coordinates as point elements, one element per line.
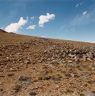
<point>60,19</point>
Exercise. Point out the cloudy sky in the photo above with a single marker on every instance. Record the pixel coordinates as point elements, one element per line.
<point>62,19</point>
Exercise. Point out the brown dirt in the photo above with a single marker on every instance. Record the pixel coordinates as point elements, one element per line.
<point>32,66</point>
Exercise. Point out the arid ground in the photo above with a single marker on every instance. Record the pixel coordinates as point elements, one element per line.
<point>32,66</point>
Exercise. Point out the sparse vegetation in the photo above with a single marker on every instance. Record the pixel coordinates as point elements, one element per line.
<point>45,66</point>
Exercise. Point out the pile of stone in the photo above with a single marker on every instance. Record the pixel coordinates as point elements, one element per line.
<point>64,54</point>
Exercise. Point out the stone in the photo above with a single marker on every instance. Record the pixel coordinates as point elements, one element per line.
<point>23,78</point>
<point>89,59</point>
<point>89,55</point>
<point>92,93</point>
<point>63,54</point>
<point>76,58</point>
<point>84,57</point>
<point>69,61</point>
<point>32,93</point>
<point>72,75</point>
<point>17,88</point>
<point>27,61</point>
<point>71,55</point>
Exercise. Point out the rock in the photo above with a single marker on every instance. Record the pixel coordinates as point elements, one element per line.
<point>24,81</point>
<point>71,55</point>
<point>17,88</point>
<point>84,58</point>
<point>23,78</point>
<point>18,54</point>
<point>89,59</point>
<point>27,61</point>
<point>90,55</point>
<point>8,58</point>
<point>69,61</point>
<point>12,69</point>
<point>10,74</point>
<point>60,53</point>
<point>92,93</point>
<point>45,51</point>
<point>63,54</point>
<point>32,93</point>
<point>52,77</point>
<point>72,75</point>
<point>91,82</point>
<point>0,83</point>
<point>76,59</point>
<point>40,61</point>
<point>54,62</point>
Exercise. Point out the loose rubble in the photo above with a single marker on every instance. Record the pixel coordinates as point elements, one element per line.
<point>31,66</point>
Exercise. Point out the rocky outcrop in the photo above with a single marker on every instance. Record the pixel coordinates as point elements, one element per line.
<point>64,54</point>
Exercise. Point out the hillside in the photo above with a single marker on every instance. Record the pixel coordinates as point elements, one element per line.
<point>32,66</point>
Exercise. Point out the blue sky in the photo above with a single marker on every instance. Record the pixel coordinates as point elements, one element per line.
<point>62,19</point>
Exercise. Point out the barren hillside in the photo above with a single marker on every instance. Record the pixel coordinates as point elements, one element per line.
<point>32,66</point>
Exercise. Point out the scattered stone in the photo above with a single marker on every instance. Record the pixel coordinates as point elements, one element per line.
<point>10,74</point>
<point>90,55</point>
<point>32,93</point>
<point>71,55</point>
<point>92,93</point>
<point>17,88</point>
<point>84,57</point>
<point>23,78</point>
<point>70,61</point>
<point>82,94</point>
<point>65,61</point>
<point>91,81</point>
<point>27,61</point>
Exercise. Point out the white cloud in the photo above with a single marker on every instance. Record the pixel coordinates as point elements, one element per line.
<point>32,17</point>
<point>2,28</point>
<point>78,21</point>
<point>14,27</point>
<point>84,13</point>
<point>31,27</point>
<point>79,4</point>
<point>45,18</point>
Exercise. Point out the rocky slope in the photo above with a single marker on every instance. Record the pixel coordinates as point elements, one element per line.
<point>32,66</point>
